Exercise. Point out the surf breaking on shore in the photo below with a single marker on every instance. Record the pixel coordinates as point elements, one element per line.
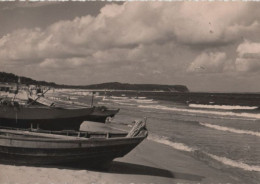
<point>202,155</point>
<point>225,107</point>
<point>228,129</point>
<point>220,113</point>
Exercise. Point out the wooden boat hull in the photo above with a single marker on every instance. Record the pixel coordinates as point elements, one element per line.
<point>99,114</point>
<point>44,117</point>
<point>30,156</point>
<point>88,152</point>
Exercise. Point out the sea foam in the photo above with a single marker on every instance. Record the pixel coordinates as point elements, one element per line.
<point>233,130</point>
<point>222,160</point>
<point>146,101</point>
<point>175,145</point>
<point>236,164</point>
<point>224,107</point>
<point>119,97</point>
<point>161,107</point>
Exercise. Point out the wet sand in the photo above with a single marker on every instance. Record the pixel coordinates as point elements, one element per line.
<point>150,162</point>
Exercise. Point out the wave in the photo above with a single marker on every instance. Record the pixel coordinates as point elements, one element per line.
<point>224,107</point>
<point>81,93</point>
<point>204,156</point>
<point>129,101</point>
<point>105,99</point>
<point>119,97</point>
<point>141,97</point>
<point>98,96</point>
<point>164,140</point>
<point>228,129</point>
<point>161,107</point>
<point>218,117</point>
<point>119,100</point>
<point>236,164</point>
<point>144,101</point>
<point>129,104</point>
<point>101,103</point>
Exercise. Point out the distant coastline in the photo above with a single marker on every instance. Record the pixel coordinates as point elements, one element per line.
<point>12,78</point>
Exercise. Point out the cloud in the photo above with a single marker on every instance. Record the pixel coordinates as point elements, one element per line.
<point>208,62</point>
<point>130,25</point>
<point>247,65</point>
<point>210,24</point>
<point>249,49</point>
<point>248,59</point>
<point>68,63</point>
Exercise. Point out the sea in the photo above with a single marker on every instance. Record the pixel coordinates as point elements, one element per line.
<point>224,136</point>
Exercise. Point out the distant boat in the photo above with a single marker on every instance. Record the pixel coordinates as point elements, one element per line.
<point>12,114</point>
<point>91,149</point>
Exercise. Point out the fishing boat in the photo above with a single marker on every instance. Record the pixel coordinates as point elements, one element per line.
<point>92,149</point>
<point>12,114</point>
<point>99,114</point>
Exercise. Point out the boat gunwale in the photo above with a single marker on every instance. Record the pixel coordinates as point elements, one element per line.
<point>76,140</point>
<point>47,107</point>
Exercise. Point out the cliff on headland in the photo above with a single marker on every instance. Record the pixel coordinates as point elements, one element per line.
<point>12,78</point>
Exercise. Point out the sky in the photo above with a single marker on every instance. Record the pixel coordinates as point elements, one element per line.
<point>207,46</point>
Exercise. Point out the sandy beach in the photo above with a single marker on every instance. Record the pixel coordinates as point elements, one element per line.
<point>150,162</point>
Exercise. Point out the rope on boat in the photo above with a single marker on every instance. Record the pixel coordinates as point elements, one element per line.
<point>138,127</point>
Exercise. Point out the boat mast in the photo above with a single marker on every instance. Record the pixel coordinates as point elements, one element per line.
<point>17,88</point>
<point>92,99</point>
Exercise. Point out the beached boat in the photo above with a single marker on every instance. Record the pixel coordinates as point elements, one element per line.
<point>38,147</point>
<point>99,114</point>
<point>49,118</point>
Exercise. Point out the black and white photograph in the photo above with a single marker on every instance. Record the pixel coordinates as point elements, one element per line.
<point>129,92</point>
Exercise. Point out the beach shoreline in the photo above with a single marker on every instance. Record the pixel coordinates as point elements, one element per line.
<point>150,162</point>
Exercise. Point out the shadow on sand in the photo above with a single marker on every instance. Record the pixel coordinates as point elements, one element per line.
<point>129,168</point>
<point>117,167</point>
